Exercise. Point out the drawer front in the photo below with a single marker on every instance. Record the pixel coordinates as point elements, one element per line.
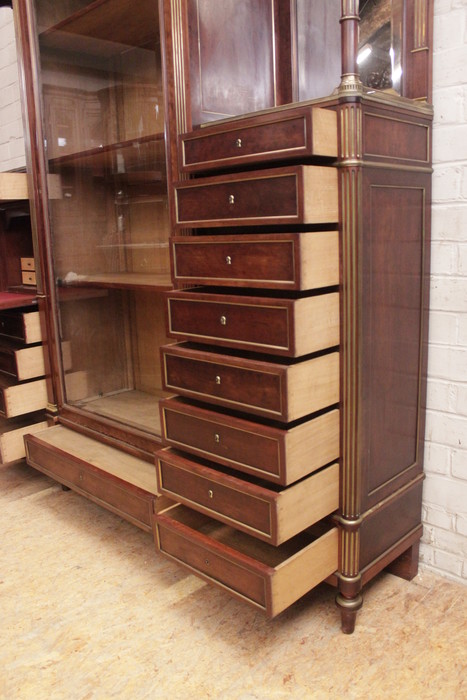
<point>262,325</point>
<point>280,391</point>
<point>279,455</point>
<point>303,132</point>
<point>272,198</point>
<point>246,384</point>
<point>240,261</point>
<point>131,503</point>
<point>215,493</point>
<point>237,443</point>
<point>301,261</point>
<point>300,194</point>
<point>271,578</point>
<point>270,513</point>
<point>277,139</point>
<point>28,278</point>
<point>203,557</point>
<point>28,264</point>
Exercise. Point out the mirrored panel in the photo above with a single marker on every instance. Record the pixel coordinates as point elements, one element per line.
<point>380,44</point>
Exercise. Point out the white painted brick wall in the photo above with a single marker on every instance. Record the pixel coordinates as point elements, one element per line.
<point>444,544</point>
<point>12,155</point>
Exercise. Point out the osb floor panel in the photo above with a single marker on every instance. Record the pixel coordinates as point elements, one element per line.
<point>90,611</point>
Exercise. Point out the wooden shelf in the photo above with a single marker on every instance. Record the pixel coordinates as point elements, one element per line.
<point>107,157</point>
<point>133,408</point>
<point>14,300</point>
<point>121,280</point>
<point>105,27</point>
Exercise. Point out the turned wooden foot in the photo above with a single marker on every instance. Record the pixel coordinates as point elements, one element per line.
<point>406,565</point>
<point>349,608</point>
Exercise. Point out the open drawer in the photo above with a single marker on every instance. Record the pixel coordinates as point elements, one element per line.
<point>267,511</point>
<point>120,482</point>
<point>271,578</point>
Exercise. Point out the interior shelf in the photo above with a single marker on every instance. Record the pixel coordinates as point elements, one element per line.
<point>134,408</point>
<point>124,155</point>
<point>121,280</point>
<point>101,26</point>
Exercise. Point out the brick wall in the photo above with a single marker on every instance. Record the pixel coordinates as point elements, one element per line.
<point>444,546</point>
<point>12,154</point>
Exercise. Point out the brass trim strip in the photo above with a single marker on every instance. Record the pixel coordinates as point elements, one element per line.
<point>420,24</point>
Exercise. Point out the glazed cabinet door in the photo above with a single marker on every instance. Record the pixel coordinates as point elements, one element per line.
<point>102,89</point>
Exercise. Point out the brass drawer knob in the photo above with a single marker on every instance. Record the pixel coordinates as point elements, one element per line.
<point>231,199</point>
<point>218,379</point>
<point>217,438</point>
<point>228,260</point>
<point>238,143</point>
<point>223,320</point>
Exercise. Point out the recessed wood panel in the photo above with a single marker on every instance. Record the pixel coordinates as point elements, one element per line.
<point>231,57</point>
<point>393,302</point>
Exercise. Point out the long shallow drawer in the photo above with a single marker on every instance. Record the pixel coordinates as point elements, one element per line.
<point>285,325</point>
<point>271,513</point>
<point>21,362</point>
<point>285,392</point>
<point>296,133</point>
<point>19,399</point>
<point>118,481</point>
<point>21,325</point>
<point>275,454</point>
<point>300,194</point>
<point>283,261</point>
<point>271,578</point>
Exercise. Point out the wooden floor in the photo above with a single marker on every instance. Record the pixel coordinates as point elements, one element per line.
<point>89,611</point>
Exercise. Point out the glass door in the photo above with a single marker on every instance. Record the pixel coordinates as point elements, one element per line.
<point>103,107</point>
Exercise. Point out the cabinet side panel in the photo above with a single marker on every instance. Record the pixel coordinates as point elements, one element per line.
<point>393,327</point>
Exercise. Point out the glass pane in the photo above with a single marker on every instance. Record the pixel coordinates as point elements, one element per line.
<point>379,53</point>
<point>104,123</point>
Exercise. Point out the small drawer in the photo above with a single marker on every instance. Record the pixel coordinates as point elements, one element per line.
<point>21,325</point>
<point>298,261</point>
<point>21,362</point>
<point>28,264</point>
<point>271,513</point>
<point>285,325</point>
<point>19,399</point>
<point>291,134</point>
<point>301,194</point>
<point>271,578</point>
<point>275,454</point>
<point>28,278</point>
<point>285,392</point>
<point>120,482</point>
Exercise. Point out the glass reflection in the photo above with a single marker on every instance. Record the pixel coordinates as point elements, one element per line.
<point>379,54</point>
